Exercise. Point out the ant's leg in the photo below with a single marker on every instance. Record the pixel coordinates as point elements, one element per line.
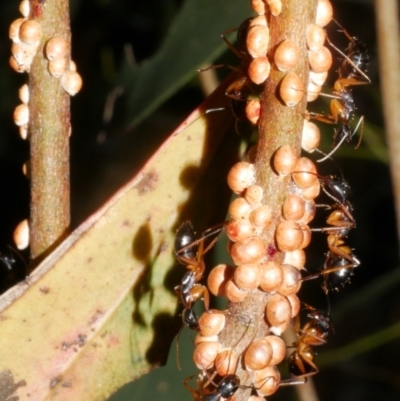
<point>360,121</point>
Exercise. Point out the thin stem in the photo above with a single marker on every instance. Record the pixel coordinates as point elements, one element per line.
<point>389,59</point>
<point>49,129</point>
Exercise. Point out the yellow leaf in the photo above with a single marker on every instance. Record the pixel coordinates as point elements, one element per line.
<point>92,316</point>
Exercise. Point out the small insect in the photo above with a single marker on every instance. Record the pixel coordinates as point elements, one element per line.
<point>354,61</point>
<point>340,260</point>
<point>190,252</point>
<point>242,87</point>
<point>342,112</point>
<point>352,71</point>
<point>314,333</point>
<point>226,388</point>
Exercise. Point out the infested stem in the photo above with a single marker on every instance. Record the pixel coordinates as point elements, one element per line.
<point>49,130</point>
<point>278,125</point>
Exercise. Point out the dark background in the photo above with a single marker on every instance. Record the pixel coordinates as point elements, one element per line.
<point>120,46</point>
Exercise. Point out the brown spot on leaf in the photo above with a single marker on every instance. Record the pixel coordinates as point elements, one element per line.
<point>81,340</point>
<point>148,182</point>
<point>54,381</point>
<point>65,345</point>
<point>44,290</point>
<point>96,317</point>
<point>126,223</point>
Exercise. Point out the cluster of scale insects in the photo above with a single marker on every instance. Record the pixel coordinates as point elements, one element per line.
<point>256,266</point>
<point>26,35</point>
<point>27,42</point>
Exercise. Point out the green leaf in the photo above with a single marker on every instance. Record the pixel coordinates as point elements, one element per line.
<point>193,40</point>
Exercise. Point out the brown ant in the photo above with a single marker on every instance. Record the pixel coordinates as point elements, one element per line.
<point>341,222</point>
<point>340,259</point>
<point>354,61</point>
<point>351,72</point>
<point>185,251</point>
<point>242,89</point>
<point>190,252</point>
<point>314,333</point>
<point>342,111</point>
<point>338,269</point>
<point>225,388</point>
<point>236,91</point>
<point>230,383</point>
<point>337,189</point>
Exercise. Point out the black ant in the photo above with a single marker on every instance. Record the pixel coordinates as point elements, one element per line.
<point>351,72</point>
<point>242,89</point>
<point>230,383</point>
<point>236,90</point>
<point>190,319</point>
<point>227,386</point>
<point>185,251</point>
<point>340,259</point>
<point>339,269</point>
<point>189,290</point>
<point>338,265</point>
<point>342,111</point>
<point>225,389</point>
<point>314,333</point>
<point>341,222</point>
<point>337,189</point>
<point>354,61</point>
<point>190,252</point>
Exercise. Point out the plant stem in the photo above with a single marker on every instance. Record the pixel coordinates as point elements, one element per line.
<point>49,129</point>
<point>388,45</point>
<point>279,125</point>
